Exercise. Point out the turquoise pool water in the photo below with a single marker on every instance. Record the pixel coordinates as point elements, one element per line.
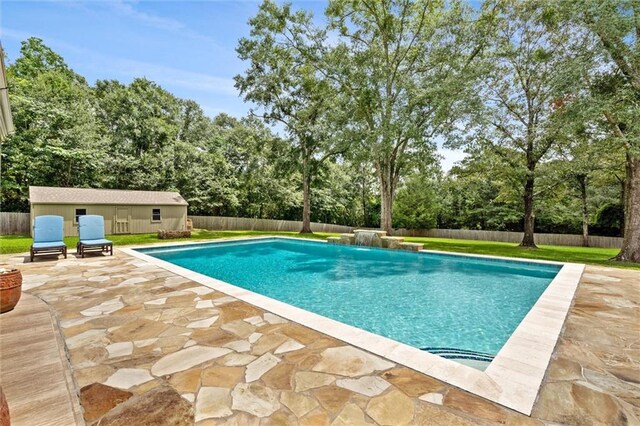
<point>459,307</point>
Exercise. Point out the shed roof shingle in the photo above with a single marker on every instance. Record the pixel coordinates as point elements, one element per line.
<point>52,195</point>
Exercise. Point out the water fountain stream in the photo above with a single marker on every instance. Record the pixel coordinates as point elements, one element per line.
<point>373,238</point>
<point>368,238</point>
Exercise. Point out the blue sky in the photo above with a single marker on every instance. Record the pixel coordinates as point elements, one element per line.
<point>188,47</point>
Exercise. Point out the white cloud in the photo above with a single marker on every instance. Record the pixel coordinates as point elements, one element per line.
<point>127,9</point>
<point>164,75</point>
<point>14,34</point>
<point>111,67</point>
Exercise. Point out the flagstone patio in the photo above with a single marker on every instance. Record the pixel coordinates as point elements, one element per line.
<point>138,336</point>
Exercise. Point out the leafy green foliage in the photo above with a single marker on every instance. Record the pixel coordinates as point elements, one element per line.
<point>136,136</point>
<point>609,90</point>
<point>56,137</point>
<point>417,203</point>
<point>542,95</point>
<point>284,51</point>
<point>609,220</point>
<point>399,63</point>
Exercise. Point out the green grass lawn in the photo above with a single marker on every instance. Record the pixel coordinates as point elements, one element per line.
<point>589,255</point>
<point>21,243</point>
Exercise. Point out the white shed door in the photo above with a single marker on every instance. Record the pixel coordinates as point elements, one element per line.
<point>121,224</point>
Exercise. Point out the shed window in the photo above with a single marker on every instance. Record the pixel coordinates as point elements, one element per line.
<point>80,212</point>
<point>155,215</point>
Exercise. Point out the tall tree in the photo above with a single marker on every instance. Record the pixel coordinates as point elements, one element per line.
<point>517,97</point>
<point>583,153</point>
<point>141,121</point>
<point>417,204</point>
<point>283,51</point>
<point>200,169</point>
<point>402,64</point>
<point>471,201</point>
<point>257,158</point>
<point>612,49</point>
<point>56,140</point>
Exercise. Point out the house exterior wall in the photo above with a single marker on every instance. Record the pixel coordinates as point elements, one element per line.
<point>138,217</point>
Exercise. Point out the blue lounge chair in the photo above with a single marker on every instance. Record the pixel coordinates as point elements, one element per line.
<point>91,232</point>
<point>48,234</point>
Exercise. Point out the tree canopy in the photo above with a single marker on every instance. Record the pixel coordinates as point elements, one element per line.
<point>348,112</point>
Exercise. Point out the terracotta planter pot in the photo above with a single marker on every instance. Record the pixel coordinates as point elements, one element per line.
<point>10,290</point>
<point>4,410</point>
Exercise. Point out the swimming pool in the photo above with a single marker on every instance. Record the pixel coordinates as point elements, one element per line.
<point>458,307</point>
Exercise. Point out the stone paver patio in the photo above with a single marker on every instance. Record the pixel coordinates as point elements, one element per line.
<point>137,334</point>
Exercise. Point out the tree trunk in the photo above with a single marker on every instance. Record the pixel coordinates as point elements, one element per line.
<point>386,206</point>
<point>386,199</point>
<point>306,203</point>
<point>582,181</point>
<point>364,198</point>
<point>623,189</point>
<point>630,251</point>
<point>527,240</point>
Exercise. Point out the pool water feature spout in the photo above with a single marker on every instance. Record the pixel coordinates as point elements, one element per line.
<point>368,237</point>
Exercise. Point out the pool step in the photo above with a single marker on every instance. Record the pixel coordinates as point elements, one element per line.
<point>347,239</point>
<point>456,353</point>
<point>411,246</point>
<point>391,242</point>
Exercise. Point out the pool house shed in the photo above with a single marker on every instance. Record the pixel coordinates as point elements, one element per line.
<point>124,211</point>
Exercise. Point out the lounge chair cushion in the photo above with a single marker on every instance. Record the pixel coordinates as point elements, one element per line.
<point>90,227</point>
<point>51,244</point>
<point>48,228</point>
<point>96,242</point>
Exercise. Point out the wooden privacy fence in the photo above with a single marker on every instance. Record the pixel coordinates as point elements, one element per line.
<point>512,237</point>
<point>242,224</point>
<point>20,223</point>
<point>248,224</point>
<point>15,223</point>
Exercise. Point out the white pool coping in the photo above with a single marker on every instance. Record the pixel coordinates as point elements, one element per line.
<point>512,379</point>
